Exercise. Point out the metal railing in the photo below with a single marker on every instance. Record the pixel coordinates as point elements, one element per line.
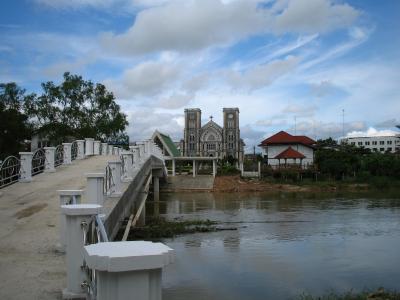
<point>109,180</point>
<point>74,150</point>
<point>38,161</point>
<point>93,233</point>
<point>59,156</point>
<point>9,171</point>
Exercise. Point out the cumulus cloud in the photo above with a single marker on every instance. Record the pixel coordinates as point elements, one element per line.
<point>261,75</point>
<point>371,132</point>
<point>144,121</point>
<point>176,100</point>
<point>197,24</point>
<point>146,79</point>
<point>313,15</point>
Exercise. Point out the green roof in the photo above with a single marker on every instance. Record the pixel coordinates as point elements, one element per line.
<point>171,147</point>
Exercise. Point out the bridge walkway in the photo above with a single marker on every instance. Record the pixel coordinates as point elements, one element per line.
<point>30,266</point>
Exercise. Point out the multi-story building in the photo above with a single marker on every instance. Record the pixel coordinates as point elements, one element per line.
<point>376,143</point>
<point>211,139</point>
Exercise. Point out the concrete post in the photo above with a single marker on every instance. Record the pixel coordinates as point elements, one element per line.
<point>49,164</point>
<point>241,169</point>
<point>128,270</point>
<point>116,189</point>
<point>173,167</point>
<point>214,168</point>
<point>78,218</point>
<point>150,146</point>
<point>94,188</point>
<point>89,146</point>
<point>194,168</point>
<point>96,147</point>
<point>81,149</point>
<point>136,157</point>
<point>128,166</point>
<point>259,169</point>
<point>104,149</point>
<point>110,149</point>
<point>156,188</point>
<point>26,166</point>
<point>115,151</point>
<point>146,147</point>
<point>67,197</point>
<point>142,152</point>
<point>67,153</point>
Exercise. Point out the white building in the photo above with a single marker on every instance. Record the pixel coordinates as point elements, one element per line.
<point>376,143</point>
<point>286,149</point>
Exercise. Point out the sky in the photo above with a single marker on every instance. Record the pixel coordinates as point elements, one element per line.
<point>309,67</point>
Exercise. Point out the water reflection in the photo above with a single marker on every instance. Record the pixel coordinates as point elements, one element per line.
<point>285,244</point>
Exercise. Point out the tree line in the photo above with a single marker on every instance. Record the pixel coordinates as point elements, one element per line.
<point>74,109</point>
<point>348,161</point>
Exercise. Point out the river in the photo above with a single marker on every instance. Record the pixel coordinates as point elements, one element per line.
<point>285,245</point>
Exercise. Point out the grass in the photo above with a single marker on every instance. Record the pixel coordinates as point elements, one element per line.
<point>158,227</point>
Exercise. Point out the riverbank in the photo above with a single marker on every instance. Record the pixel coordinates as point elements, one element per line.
<point>237,184</point>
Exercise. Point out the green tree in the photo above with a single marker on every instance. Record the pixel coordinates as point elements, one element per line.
<point>14,125</point>
<point>76,108</point>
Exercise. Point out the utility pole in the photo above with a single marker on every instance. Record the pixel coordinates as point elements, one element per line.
<point>342,123</point>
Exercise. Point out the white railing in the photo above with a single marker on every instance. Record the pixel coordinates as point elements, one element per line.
<point>86,270</point>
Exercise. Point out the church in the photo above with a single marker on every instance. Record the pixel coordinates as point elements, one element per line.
<point>212,140</point>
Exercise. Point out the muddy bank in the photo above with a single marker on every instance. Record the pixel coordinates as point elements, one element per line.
<point>238,184</point>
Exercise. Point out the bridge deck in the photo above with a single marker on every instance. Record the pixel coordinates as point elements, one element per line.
<point>30,266</point>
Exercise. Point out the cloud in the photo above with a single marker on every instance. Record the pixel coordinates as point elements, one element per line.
<point>60,4</point>
<point>145,79</point>
<point>188,25</point>
<point>261,75</point>
<point>313,16</point>
<point>300,110</point>
<point>193,25</point>
<point>144,121</point>
<point>322,89</point>
<point>388,123</point>
<point>176,100</point>
<point>371,132</point>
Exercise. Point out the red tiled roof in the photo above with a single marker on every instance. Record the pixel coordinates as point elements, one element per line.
<point>282,137</point>
<point>289,153</point>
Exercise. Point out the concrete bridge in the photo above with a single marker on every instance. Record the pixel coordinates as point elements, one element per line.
<point>97,187</point>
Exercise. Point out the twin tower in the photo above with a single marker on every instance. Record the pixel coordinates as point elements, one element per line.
<point>211,139</point>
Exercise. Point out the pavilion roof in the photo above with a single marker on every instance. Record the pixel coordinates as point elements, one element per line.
<point>290,153</point>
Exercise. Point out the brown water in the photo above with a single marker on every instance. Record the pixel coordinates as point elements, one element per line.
<point>285,245</point>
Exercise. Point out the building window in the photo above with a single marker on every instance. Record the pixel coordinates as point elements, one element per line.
<point>230,145</point>
<point>360,143</point>
<point>389,149</point>
<point>367,143</point>
<point>374,143</point>
<point>375,149</point>
<point>382,149</point>
<point>389,142</point>
<point>353,143</point>
<point>381,142</point>
<point>230,123</point>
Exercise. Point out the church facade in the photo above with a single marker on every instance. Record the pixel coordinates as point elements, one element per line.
<point>210,139</point>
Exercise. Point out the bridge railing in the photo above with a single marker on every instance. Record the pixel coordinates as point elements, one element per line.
<point>85,242</point>
<point>9,171</point>
<point>14,169</point>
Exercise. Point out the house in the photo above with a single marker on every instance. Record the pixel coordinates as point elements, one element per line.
<point>284,149</point>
